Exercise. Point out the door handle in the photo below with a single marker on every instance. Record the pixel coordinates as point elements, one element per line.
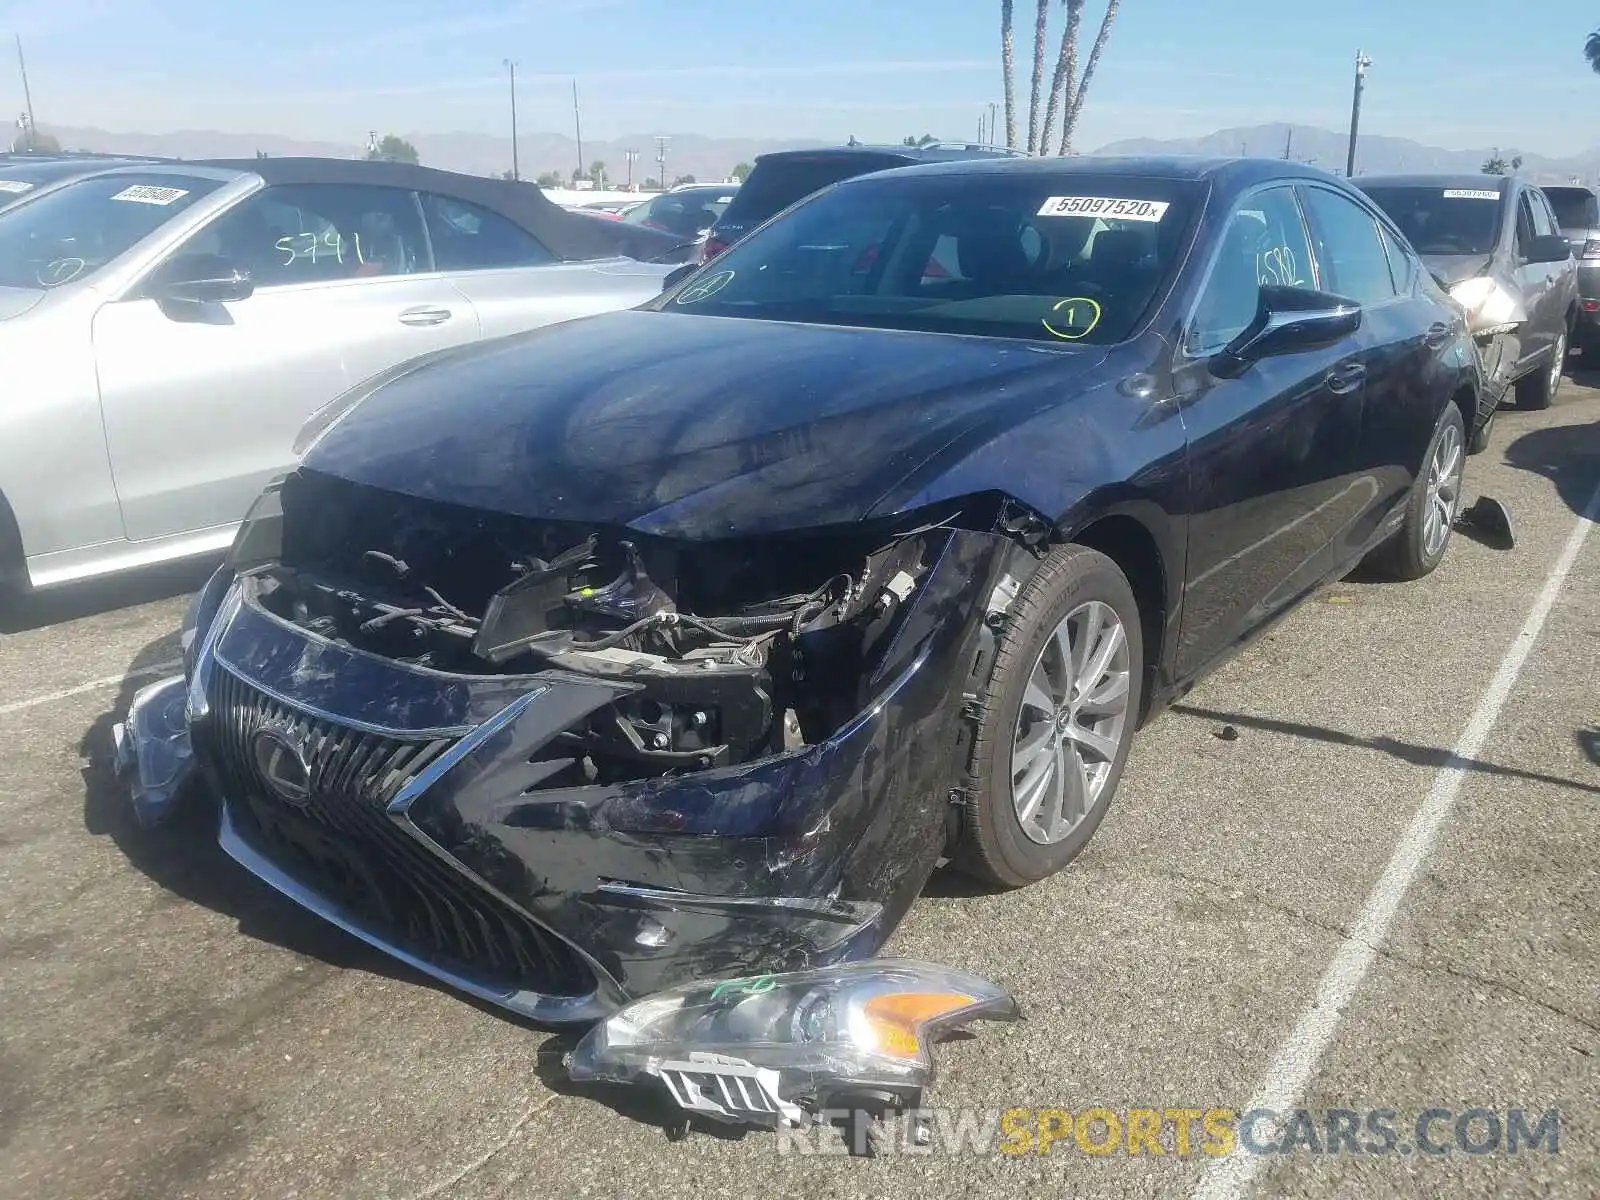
<point>423,315</point>
<point>1346,378</point>
<point>1438,334</point>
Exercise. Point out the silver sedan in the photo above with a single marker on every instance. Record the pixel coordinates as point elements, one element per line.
<point>166,330</point>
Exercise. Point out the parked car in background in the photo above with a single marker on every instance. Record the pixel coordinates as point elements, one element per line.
<point>780,179</point>
<point>568,669</point>
<point>688,211</point>
<point>166,330</point>
<point>22,173</point>
<point>1495,243</point>
<point>1577,211</point>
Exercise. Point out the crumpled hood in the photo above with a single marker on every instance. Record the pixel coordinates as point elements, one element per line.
<point>16,301</point>
<point>686,426</point>
<point>1453,268</point>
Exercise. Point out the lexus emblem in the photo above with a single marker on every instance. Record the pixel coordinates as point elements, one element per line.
<point>281,759</point>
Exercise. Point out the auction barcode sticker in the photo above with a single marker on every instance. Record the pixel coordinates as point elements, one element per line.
<point>1104,206</point>
<point>1470,194</point>
<point>15,186</point>
<point>144,193</point>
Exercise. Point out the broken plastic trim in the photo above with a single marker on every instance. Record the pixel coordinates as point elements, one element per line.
<point>771,1049</point>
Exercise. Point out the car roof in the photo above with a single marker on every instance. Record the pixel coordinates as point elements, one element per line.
<point>937,152</point>
<point>567,236</point>
<point>1569,187</point>
<point>1228,173</point>
<point>1465,180</point>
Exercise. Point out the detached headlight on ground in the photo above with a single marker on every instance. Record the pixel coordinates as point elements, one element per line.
<point>1490,307</point>
<point>776,1048</point>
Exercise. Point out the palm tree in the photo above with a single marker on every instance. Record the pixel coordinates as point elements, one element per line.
<point>1041,31</point>
<point>1069,120</point>
<point>1008,69</point>
<point>1591,49</point>
<point>1066,67</point>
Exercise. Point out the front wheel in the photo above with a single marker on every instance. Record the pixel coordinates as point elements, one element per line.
<point>1418,546</point>
<point>1058,718</point>
<point>1538,391</point>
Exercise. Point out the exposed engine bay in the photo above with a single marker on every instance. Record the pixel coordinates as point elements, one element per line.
<point>739,649</point>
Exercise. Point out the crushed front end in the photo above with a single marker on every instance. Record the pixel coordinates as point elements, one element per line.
<point>561,766</point>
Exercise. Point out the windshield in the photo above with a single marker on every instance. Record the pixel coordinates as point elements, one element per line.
<point>1051,258</point>
<point>1575,207</point>
<point>688,212</point>
<point>1440,220</point>
<point>72,232</point>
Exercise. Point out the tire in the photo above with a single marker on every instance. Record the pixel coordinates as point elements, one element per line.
<point>1419,546</point>
<point>1076,591</point>
<point>1538,390</point>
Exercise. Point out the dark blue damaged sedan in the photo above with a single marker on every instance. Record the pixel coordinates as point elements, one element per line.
<point>684,641</point>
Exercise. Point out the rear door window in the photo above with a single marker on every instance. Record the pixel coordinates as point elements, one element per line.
<point>469,238</point>
<point>1345,239</point>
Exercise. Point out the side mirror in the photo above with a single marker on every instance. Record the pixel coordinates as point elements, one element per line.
<point>201,279</point>
<point>1288,321</point>
<point>677,275</point>
<point>1549,248</point>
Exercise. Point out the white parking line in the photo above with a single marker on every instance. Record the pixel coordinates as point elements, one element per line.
<point>165,668</point>
<point>1230,1178</point>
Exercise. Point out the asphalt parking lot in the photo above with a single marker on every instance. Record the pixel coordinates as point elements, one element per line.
<point>169,1028</point>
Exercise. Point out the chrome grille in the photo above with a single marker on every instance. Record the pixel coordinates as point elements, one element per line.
<point>343,844</point>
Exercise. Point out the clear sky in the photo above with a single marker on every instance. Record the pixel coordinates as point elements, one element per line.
<point>1456,73</point>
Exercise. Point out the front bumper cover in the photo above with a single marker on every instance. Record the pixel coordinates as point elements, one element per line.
<point>799,860</point>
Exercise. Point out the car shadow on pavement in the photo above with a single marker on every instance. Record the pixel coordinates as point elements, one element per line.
<point>1567,455</point>
<point>36,610</point>
<point>185,859</point>
<point>1410,752</point>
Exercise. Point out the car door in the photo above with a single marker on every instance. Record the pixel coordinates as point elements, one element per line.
<point>202,401</point>
<point>1271,452</point>
<point>1400,333</point>
<point>1539,283</point>
<point>513,282</point>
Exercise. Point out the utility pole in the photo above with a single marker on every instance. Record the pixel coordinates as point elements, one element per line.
<point>577,125</point>
<point>990,140</point>
<point>630,155</point>
<point>27,95</point>
<point>661,160</point>
<point>1362,63</point>
<point>515,171</point>
<point>1288,144</point>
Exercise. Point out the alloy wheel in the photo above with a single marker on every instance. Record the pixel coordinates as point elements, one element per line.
<point>1444,490</point>
<point>1070,727</point>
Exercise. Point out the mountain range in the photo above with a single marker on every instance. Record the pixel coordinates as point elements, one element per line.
<point>714,158</point>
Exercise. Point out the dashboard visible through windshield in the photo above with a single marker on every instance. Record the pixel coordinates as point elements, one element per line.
<point>70,233</point>
<point>1052,258</point>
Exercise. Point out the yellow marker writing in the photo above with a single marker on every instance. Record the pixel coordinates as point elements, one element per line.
<point>1080,310</point>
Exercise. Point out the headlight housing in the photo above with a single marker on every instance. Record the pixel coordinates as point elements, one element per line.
<point>1491,307</point>
<point>774,1048</point>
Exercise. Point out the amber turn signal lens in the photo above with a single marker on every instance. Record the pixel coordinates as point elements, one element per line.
<point>895,1018</point>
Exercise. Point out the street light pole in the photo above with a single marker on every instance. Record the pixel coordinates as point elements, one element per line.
<point>577,125</point>
<point>1362,63</point>
<point>27,95</point>
<point>515,171</point>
